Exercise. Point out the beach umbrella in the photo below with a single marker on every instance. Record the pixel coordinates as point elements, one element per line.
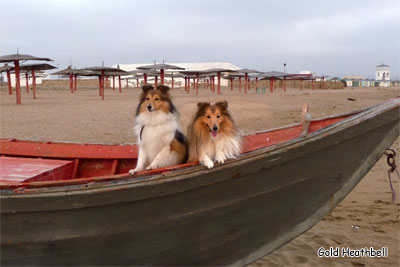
<point>16,58</point>
<point>246,77</point>
<point>7,70</point>
<point>105,71</point>
<point>272,76</point>
<point>161,68</point>
<point>33,68</point>
<point>173,75</point>
<point>218,71</point>
<point>195,73</point>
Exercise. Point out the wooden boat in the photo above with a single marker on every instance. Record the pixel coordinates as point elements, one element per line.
<point>239,211</point>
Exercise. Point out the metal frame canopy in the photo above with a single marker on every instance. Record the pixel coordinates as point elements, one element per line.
<point>160,67</point>
<point>104,71</point>
<point>16,58</point>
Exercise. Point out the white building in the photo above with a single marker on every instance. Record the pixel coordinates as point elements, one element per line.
<point>382,73</point>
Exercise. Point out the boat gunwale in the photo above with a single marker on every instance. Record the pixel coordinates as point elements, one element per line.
<point>124,181</point>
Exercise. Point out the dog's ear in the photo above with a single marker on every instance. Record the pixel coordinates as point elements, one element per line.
<point>147,88</point>
<point>202,105</point>
<point>163,88</point>
<point>222,104</point>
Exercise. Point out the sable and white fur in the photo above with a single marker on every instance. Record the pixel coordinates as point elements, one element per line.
<point>213,135</point>
<point>160,141</point>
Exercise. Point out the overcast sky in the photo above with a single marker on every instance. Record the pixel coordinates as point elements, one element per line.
<point>327,37</point>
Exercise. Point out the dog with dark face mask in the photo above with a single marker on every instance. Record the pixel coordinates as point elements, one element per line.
<point>161,143</point>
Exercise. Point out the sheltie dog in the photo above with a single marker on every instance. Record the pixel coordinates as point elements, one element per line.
<point>160,141</point>
<point>213,135</point>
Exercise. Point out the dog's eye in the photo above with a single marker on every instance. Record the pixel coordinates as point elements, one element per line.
<point>218,116</point>
<point>157,99</point>
<point>209,117</point>
<point>147,98</point>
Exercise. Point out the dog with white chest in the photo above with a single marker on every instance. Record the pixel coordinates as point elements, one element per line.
<point>161,143</point>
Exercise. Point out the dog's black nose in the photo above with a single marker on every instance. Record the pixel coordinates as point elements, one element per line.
<point>215,128</point>
<point>149,107</point>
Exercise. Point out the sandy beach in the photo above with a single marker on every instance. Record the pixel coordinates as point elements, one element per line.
<point>366,218</point>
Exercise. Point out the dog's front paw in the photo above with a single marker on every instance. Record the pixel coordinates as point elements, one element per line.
<point>151,167</point>
<point>220,158</point>
<point>208,163</point>
<point>133,171</point>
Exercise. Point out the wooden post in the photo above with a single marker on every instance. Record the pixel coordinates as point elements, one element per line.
<point>172,83</point>
<point>99,85</point>
<point>155,81</point>
<point>9,82</point>
<point>71,82</point>
<point>145,78</point>
<point>219,83</point>
<point>106,81</point>
<point>188,89</point>
<point>27,81</point>
<point>17,84</point>
<point>161,76</point>
<point>102,84</point>
<point>231,83</point>
<point>34,83</point>
<point>240,84</point>
<point>271,84</point>
<point>137,82</point>
<point>76,81</point>
<point>127,83</point>
<point>119,81</point>
<point>114,83</point>
<point>245,84</point>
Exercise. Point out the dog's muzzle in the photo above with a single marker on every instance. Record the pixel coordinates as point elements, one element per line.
<point>149,108</point>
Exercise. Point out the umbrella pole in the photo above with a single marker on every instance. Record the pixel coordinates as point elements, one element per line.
<point>197,84</point>
<point>9,82</point>
<point>99,85</point>
<point>106,81</point>
<point>172,83</point>
<point>231,84</point>
<point>246,83</point>
<point>27,82</point>
<point>271,84</point>
<point>102,85</point>
<point>145,78</point>
<point>17,84</point>
<point>162,76</point>
<point>76,82</point>
<point>256,83</point>
<point>119,80</point>
<point>219,83</point>
<point>71,81</point>
<point>114,83</point>
<point>240,84</point>
<point>185,84</point>
<point>34,83</point>
<point>155,81</point>
<point>127,83</point>
<point>137,82</point>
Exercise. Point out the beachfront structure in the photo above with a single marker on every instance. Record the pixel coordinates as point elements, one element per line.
<point>382,72</point>
<point>382,75</point>
<point>188,67</point>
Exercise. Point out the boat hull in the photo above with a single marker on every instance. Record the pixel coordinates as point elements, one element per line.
<point>234,214</point>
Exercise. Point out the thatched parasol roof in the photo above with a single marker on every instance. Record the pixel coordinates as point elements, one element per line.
<point>79,72</point>
<point>106,70</point>
<point>17,57</point>
<point>36,66</point>
<point>160,67</point>
<point>247,71</point>
<point>273,74</point>
<point>216,70</point>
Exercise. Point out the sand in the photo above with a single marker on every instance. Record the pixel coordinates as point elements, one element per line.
<point>365,218</point>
